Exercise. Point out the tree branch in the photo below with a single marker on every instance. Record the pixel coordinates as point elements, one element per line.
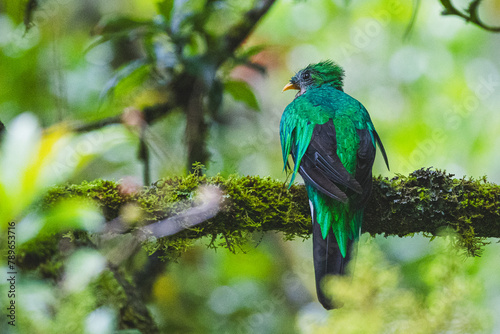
<point>471,14</point>
<point>150,114</point>
<point>239,32</point>
<point>133,313</point>
<point>425,201</point>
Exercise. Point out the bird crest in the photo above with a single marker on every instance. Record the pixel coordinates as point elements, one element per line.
<point>316,75</point>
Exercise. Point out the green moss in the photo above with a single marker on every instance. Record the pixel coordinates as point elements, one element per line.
<point>109,291</point>
<point>428,200</point>
<point>42,255</point>
<point>106,193</point>
<point>425,201</point>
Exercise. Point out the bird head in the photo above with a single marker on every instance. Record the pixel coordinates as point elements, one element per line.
<point>316,75</point>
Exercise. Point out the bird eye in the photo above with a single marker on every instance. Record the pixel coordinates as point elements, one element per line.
<point>306,76</point>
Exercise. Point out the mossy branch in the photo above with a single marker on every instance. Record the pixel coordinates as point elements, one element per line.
<point>425,201</point>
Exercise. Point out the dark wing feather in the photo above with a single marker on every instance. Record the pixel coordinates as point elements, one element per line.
<point>315,177</point>
<point>321,167</point>
<point>364,163</point>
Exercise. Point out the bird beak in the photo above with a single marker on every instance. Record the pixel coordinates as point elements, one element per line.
<point>290,86</point>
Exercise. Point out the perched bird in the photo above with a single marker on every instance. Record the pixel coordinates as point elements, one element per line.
<point>332,141</point>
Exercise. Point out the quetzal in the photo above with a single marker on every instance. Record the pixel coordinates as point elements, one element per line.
<point>332,141</point>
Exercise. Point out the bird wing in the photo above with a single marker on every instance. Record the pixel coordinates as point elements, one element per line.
<point>322,167</point>
<point>364,162</point>
<point>308,131</point>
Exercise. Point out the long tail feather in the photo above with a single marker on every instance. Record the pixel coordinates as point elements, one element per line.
<point>328,260</point>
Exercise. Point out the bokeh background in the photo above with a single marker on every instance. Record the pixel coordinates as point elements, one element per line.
<point>432,90</point>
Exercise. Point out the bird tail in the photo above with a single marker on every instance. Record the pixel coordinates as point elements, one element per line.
<point>328,260</point>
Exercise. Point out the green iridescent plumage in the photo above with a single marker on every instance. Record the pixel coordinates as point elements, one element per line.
<point>332,141</point>
<point>317,106</point>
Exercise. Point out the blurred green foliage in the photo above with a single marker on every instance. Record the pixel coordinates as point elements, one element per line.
<point>31,162</point>
<point>433,97</point>
<point>443,296</point>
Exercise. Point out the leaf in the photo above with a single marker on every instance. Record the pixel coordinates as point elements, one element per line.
<point>243,57</point>
<point>250,51</point>
<point>242,92</point>
<point>120,25</point>
<point>16,9</point>
<point>413,19</point>
<point>30,162</point>
<point>165,8</point>
<point>197,45</point>
<point>127,78</point>
<point>71,214</point>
